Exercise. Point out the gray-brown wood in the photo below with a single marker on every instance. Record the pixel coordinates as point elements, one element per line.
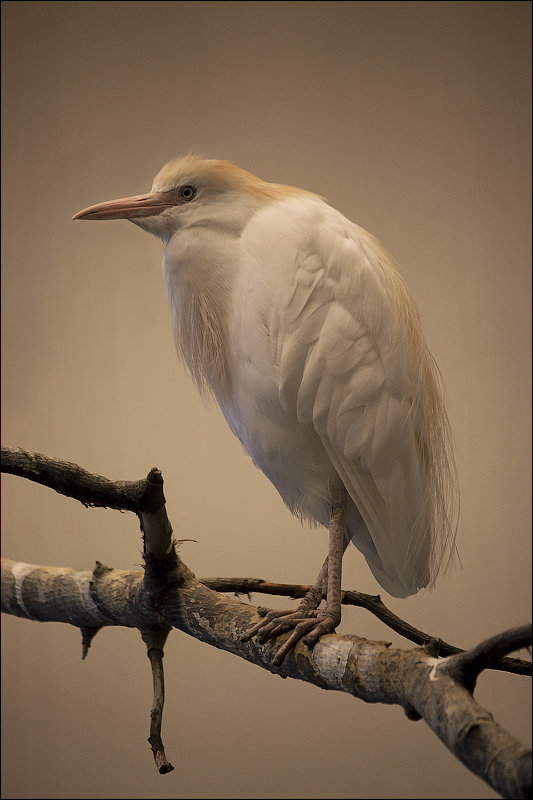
<point>168,595</point>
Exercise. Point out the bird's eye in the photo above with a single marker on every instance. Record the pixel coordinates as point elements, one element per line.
<point>187,192</point>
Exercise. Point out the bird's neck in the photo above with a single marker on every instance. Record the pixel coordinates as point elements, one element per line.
<point>199,280</point>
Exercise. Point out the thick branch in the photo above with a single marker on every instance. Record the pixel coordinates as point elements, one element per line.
<point>168,594</point>
<point>146,499</point>
<point>375,605</point>
<point>371,671</point>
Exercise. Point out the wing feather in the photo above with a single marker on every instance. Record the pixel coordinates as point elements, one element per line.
<point>353,363</point>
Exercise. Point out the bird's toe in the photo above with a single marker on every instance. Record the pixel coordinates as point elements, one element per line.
<point>325,623</point>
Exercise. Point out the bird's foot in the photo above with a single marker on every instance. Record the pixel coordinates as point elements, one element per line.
<point>275,623</point>
<point>306,624</point>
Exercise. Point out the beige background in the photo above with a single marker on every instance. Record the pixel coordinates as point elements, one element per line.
<point>413,120</point>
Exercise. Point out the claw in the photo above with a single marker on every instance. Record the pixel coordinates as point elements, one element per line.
<point>308,626</point>
<point>274,623</point>
<point>269,621</point>
<point>298,633</point>
<point>326,624</point>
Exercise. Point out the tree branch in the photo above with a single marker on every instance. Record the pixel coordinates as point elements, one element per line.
<point>155,641</point>
<point>371,671</point>
<point>467,666</point>
<point>145,497</point>
<point>71,480</point>
<point>168,595</point>
<point>147,500</point>
<point>375,606</point>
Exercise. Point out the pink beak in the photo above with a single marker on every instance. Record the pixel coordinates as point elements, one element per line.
<point>141,205</point>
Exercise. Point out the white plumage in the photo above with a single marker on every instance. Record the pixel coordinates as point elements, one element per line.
<point>297,321</point>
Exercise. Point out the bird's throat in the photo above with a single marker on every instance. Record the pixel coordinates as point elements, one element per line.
<point>200,334</point>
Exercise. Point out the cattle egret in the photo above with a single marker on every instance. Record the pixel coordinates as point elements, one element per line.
<point>298,323</point>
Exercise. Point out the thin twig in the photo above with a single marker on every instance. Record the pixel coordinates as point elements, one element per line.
<point>88,632</point>
<point>466,667</point>
<point>154,641</point>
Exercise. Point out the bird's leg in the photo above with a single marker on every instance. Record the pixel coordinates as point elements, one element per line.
<point>320,588</point>
<point>306,620</point>
<point>330,617</point>
<point>313,596</point>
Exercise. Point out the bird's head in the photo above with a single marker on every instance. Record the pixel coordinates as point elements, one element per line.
<point>193,191</point>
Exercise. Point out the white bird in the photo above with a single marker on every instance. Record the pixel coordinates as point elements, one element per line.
<point>297,321</point>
